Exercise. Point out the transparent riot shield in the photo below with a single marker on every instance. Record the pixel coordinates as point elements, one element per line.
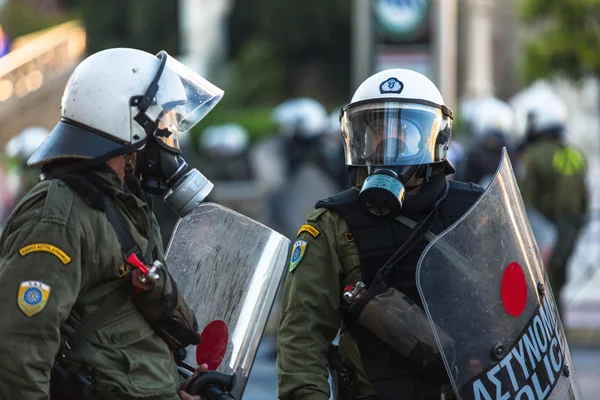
<point>229,268</point>
<point>488,300</point>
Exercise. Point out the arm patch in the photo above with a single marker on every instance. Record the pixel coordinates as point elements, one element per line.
<point>314,232</point>
<point>47,248</point>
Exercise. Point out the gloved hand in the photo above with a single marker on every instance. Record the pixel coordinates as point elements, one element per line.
<point>186,396</point>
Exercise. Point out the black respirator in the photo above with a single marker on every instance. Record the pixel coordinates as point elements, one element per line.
<point>383,192</point>
<point>160,167</point>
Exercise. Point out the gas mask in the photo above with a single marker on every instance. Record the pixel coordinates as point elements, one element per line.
<point>163,171</point>
<point>160,165</point>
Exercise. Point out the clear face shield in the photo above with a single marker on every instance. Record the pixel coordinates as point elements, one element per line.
<point>392,133</point>
<point>179,99</point>
<point>393,139</point>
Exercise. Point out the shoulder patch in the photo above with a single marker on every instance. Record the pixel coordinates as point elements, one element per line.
<point>349,237</point>
<point>47,248</point>
<point>310,229</point>
<point>33,297</point>
<point>297,253</point>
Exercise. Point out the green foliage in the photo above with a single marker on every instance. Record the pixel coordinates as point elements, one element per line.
<point>19,17</point>
<point>568,39</point>
<point>150,25</point>
<point>256,77</point>
<point>256,120</point>
<point>309,44</point>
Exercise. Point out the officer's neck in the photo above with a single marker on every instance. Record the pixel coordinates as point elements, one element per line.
<point>118,165</point>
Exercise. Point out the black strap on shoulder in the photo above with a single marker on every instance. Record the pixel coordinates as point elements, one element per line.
<point>87,187</point>
<point>88,190</point>
<point>415,237</point>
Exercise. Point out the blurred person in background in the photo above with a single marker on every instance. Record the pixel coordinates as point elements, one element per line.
<point>396,132</point>
<point>297,164</point>
<point>17,151</point>
<point>82,267</point>
<point>491,127</point>
<point>224,150</point>
<point>553,180</point>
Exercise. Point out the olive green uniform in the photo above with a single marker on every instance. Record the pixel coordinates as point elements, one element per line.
<point>54,238</point>
<point>311,312</point>
<point>553,182</point>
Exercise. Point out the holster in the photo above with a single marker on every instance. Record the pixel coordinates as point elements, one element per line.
<point>342,375</point>
<point>67,385</point>
<point>396,320</point>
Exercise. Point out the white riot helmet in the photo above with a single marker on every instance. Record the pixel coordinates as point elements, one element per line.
<point>227,140</point>
<point>302,117</point>
<point>539,110</point>
<point>398,126</point>
<point>118,101</point>
<point>492,116</point>
<point>116,98</point>
<point>25,143</point>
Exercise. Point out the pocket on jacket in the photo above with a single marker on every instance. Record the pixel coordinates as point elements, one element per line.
<point>132,358</point>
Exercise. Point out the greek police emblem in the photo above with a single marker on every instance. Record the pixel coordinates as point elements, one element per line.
<point>297,253</point>
<point>392,85</point>
<point>33,297</point>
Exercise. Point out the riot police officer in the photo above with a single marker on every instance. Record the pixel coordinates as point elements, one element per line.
<point>89,309</point>
<point>491,125</point>
<point>396,132</point>
<point>553,178</point>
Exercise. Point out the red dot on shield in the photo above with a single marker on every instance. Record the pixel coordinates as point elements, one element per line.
<point>514,289</point>
<point>213,345</point>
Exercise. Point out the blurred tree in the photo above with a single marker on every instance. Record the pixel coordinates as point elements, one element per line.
<point>20,17</point>
<point>150,25</point>
<point>568,39</point>
<point>309,41</point>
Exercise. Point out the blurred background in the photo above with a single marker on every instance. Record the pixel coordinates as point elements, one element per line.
<point>272,146</point>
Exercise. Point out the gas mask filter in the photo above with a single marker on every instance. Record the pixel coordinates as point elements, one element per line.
<point>382,194</point>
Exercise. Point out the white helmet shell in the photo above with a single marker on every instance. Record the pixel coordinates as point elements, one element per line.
<point>227,139</point>
<point>489,114</point>
<point>541,102</point>
<point>302,116</point>
<point>398,84</point>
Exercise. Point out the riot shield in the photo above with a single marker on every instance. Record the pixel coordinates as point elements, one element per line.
<point>229,268</point>
<point>483,285</point>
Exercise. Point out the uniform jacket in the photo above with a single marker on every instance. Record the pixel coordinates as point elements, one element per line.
<point>56,242</point>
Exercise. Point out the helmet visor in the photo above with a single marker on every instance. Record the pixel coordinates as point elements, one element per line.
<point>185,109</point>
<point>392,133</point>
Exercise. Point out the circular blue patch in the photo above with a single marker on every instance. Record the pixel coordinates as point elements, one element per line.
<point>296,254</point>
<point>32,296</point>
